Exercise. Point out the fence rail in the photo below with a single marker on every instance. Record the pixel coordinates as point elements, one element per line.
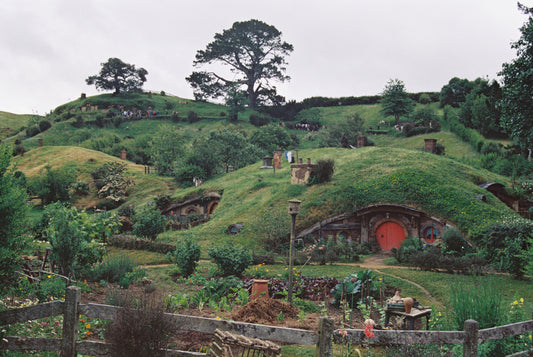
<point>324,339</point>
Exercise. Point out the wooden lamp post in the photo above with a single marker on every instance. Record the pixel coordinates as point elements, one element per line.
<point>294,209</point>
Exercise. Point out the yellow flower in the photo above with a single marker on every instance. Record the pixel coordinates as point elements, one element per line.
<point>87,326</point>
<point>49,276</point>
<point>521,300</point>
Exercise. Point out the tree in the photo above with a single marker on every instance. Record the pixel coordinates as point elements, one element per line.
<point>232,149</point>
<point>72,248</point>
<point>119,76</point>
<point>395,101</point>
<point>236,102</point>
<point>255,54</point>
<point>454,93</point>
<point>52,185</point>
<point>13,211</point>
<point>517,103</point>
<point>149,222</point>
<point>167,149</point>
<point>270,137</point>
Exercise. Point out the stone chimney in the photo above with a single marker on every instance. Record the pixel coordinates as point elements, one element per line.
<point>123,154</point>
<point>430,145</point>
<point>361,141</point>
<point>40,142</point>
<point>300,172</point>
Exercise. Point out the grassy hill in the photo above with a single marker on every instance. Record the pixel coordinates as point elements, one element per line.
<point>11,123</point>
<point>440,186</point>
<point>84,161</point>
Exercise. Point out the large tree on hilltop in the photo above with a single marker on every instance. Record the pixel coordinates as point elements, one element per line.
<point>119,76</point>
<point>517,102</point>
<point>395,101</point>
<point>255,54</point>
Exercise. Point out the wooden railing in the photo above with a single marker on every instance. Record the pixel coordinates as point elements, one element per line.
<point>323,340</point>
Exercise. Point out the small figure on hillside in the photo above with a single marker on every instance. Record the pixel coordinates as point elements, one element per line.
<point>344,141</point>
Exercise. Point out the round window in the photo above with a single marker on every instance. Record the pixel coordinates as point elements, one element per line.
<point>431,234</point>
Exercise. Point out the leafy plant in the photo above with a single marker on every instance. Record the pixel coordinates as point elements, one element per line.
<point>354,288</point>
<point>149,222</point>
<point>231,260</point>
<point>322,172</point>
<point>186,255</point>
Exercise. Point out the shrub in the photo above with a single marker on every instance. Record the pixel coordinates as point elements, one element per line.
<point>454,243</point>
<point>52,185</point>
<point>322,172</point>
<point>505,244</point>
<point>140,329</point>
<point>230,259</point>
<point>44,125</point>
<point>126,211</point>
<point>409,246</point>
<point>259,120</point>
<point>32,131</point>
<point>149,223</point>
<point>186,256</point>
<point>192,117</point>
<point>162,201</point>
<point>114,269</point>
<point>140,244</point>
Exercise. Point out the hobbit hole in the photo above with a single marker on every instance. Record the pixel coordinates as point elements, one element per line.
<point>383,227</point>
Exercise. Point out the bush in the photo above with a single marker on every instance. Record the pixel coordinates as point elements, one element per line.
<point>149,223</point>
<point>44,125</point>
<point>454,243</point>
<point>259,120</point>
<point>140,329</point>
<point>32,131</point>
<point>192,117</point>
<point>52,185</point>
<point>322,172</point>
<point>140,244</point>
<point>114,269</point>
<point>186,256</point>
<point>126,211</point>
<point>409,246</point>
<point>162,201</point>
<point>230,259</point>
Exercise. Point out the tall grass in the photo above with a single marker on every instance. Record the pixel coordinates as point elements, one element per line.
<point>482,303</point>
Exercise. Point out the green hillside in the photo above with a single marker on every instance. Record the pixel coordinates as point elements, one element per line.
<point>84,161</point>
<point>440,186</point>
<point>11,123</point>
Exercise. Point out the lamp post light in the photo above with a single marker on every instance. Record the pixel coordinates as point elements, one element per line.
<point>294,209</point>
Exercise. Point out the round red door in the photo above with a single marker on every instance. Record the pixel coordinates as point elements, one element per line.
<point>390,235</point>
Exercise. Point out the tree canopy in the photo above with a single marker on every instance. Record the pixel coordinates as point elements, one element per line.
<point>119,76</point>
<point>255,54</point>
<point>517,103</point>
<point>13,211</point>
<point>395,101</point>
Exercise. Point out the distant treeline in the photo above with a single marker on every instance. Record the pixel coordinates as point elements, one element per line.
<point>291,108</point>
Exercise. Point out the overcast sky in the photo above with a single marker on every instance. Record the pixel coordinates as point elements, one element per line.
<point>341,48</point>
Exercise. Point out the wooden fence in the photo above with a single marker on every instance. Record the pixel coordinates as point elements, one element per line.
<point>323,340</point>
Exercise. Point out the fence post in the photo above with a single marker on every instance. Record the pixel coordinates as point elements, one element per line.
<point>70,321</point>
<point>326,327</point>
<point>470,344</point>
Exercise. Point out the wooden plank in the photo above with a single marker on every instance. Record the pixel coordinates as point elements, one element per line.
<point>92,348</point>
<point>15,343</point>
<point>496,333</point>
<point>272,333</point>
<point>31,312</point>
<point>209,325</point>
<point>399,337</point>
<point>99,311</point>
<point>522,354</point>
<point>95,348</point>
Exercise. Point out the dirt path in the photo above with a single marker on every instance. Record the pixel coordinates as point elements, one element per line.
<point>375,263</point>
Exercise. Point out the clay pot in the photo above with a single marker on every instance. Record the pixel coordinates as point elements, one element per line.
<point>259,289</point>
<point>408,303</point>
